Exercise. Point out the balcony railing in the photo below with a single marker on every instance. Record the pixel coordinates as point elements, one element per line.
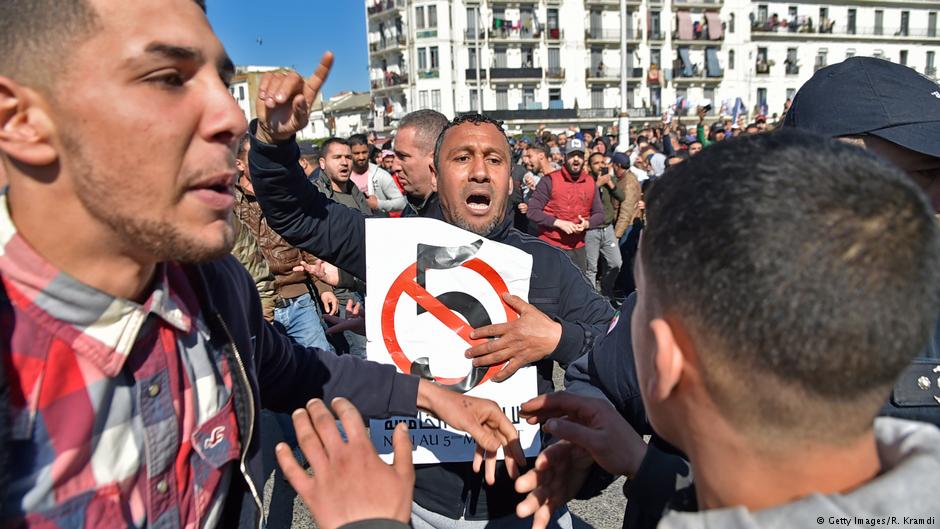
<point>696,73</point>
<point>554,33</point>
<point>426,34</point>
<point>429,74</point>
<point>931,72</point>
<point>602,34</point>
<point>762,68</point>
<point>471,74</point>
<point>388,44</point>
<point>555,73</point>
<point>832,27</point>
<point>385,5</point>
<point>706,4</point>
<point>701,36</point>
<point>391,80</point>
<point>515,73</point>
<point>612,73</point>
<point>514,33</point>
<point>792,69</point>
<point>657,35</point>
<point>473,34</point>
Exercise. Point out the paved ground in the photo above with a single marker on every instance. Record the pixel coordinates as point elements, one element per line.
<point>602,512</point>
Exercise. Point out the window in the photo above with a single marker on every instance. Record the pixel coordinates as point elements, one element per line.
<point>792,12</point>
<point>597,97</point>
<point>554,98</point>
<point>422,99</point>
<point>731,23</point>
<point>554,59</point>
<point>500,59</point>
<point>419,18</point>
<point>931,69</point>
<point>903,58</point>
<point>471,58</point>
<point>473,100</point>
<point>655,30</point>
<point>791,92</point>
<point>472,22</point>
<point>821,59</point>
<point>656,56</point>
<point>434,59</point>
<point>850,25</point>
<point>879,22</point>
<point>631,96</point>
<point>432,16</point>
<point>241,92</point>
<point>422,60</point>
<point>792,63</point>
<point>682,93</point>
<point>436,100</point>
<point>731,59</point>
<point>762,96</point>
<point>502,99</point>
<point>762,14</point>
<point>905,23</point>
<point>710,97</point>
<point>932,24</point>
<point>823,13</point>
<point>528,57</point>
<point>528,96</point>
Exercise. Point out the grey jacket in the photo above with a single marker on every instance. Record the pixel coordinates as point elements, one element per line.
<point>382,186</point>
<point>906,494</point>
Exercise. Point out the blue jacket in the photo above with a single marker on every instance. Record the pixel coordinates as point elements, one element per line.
<point>336,234</point>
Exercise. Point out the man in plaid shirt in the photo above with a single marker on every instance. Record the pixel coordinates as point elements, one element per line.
<point>135,349</point>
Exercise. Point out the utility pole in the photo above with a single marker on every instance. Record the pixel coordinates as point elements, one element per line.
<point>623,124</point>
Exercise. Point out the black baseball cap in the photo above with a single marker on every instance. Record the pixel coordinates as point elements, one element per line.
<point>865,95</point>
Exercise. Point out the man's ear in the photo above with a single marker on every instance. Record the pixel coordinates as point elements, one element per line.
<point>511,183</point>
<point>668,361</point>
<point>321,161</point>
<point>25,128</point>
<point>433,177</point>
<point>240,166</point>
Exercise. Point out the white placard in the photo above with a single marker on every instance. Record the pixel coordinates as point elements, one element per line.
<point>430,284</point>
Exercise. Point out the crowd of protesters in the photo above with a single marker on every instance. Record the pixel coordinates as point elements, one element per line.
<point>758,297</point>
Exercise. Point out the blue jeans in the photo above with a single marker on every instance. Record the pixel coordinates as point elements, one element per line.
<point>300,320</point>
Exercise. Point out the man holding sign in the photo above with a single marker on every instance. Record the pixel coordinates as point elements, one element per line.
<point>560,322</point>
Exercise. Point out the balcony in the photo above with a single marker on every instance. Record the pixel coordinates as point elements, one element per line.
<point>697,4</point>
<point>762,68</point>
<point>698,39</point>
<point>609,3</point>
<point>426,34</point>
<point>513,2</point>
<point>514,34</point>
<point>384,7</point>
<point>429,74</point>
<point>657,35</point>
<point>834,30</point>
<point>391,80</point>
<point>696,75</point>
<point>611,75</point>
<point>568,115</point>
<point>387,45</point>
<point>515,74</point>
<point>554,34</point>
<point>602,35</point>
<point>792,69</point>
<point>931,72</point>
<point>471,35</point>
<point>470,74</point>
<point>555,73</point>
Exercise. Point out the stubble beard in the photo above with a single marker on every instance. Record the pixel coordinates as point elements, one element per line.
<point>158,239</point>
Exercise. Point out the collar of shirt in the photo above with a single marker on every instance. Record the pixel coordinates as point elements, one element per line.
<point>106,326</point>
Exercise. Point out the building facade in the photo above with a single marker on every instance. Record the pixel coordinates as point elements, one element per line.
<point>559,62</point>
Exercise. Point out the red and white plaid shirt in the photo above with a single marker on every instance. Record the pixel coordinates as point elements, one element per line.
<point>122,412</point>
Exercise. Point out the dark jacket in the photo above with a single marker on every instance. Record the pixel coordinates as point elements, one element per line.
<point>280,376</point>
<point>352,199</point>
<point>308,220</point>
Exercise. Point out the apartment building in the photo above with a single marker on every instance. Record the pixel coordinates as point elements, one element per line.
<point>591,62</point>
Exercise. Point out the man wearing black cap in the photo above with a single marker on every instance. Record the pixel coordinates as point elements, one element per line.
<point>894,112</point>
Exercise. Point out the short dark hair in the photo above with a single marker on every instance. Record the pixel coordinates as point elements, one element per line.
<point>357,139</point>
<point>808,279</point>
<point>428,125</point>
<point>542,148</point>
<point>476,119</point>
<point>325,146</point>
<point>35,36</point>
